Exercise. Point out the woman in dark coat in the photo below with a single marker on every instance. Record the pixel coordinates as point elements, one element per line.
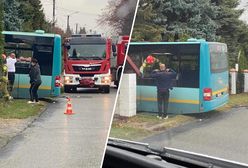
<point>35,81</point>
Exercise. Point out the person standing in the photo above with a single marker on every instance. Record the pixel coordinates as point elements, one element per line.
<point>4,79</point>
<point>35,81</point>
<point>11,60</point>
<point>164,78</point>
<point>148,65</point>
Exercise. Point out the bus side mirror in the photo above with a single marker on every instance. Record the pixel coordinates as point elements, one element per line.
<point>114,50</point>
<point>67,46</point>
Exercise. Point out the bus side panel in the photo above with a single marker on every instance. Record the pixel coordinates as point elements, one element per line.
<point>182,100</point>
<point>219,85</point>
<point>218,82</point>
<point>204,75</point>
<point>56,64</point>
<point>22,86</point>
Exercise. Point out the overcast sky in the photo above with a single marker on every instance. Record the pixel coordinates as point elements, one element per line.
<point>88,11</point>
<point>244,5</point>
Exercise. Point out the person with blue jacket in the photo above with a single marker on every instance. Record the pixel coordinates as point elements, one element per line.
<point>165,79</point>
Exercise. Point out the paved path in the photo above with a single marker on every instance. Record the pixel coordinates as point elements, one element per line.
<point>56,140</point>
<point>223,135</point>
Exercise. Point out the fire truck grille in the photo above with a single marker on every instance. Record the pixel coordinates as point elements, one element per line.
<point>86,68</point>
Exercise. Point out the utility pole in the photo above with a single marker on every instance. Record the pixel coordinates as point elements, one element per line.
<point>53,15</point>
<point>68,21</point>
<point>68,24</point>
<point>76,28</point>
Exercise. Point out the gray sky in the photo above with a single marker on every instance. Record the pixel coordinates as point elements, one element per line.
<point>88,13</point>
<point>244,5</point>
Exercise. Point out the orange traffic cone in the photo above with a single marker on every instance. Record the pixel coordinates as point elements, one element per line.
<point>68,107</point>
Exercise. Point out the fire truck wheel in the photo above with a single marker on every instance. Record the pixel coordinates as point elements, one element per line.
<point>105,89</point>
<point>67,89</point>
<point>74,89</point>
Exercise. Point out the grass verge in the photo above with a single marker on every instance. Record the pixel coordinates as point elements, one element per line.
<point>146,124</point>
<point>19,109</point>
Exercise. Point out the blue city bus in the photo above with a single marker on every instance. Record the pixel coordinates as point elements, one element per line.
<point>46,48</point>
<point>202,75</point>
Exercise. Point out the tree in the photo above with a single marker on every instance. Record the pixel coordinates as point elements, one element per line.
<point>33,16</point>
<point>231,30</point>
<point>12,21</point>
<point>119,16</point>
<point>3,69</point>
<point>145,28</point>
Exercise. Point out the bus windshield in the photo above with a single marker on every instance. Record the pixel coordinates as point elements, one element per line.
<point>87,51</point>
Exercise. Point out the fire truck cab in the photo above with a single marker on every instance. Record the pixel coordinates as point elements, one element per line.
<point>87,62</point>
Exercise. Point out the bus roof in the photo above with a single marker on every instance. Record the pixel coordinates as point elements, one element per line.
<point>38,33</point>
<point>168,43</point>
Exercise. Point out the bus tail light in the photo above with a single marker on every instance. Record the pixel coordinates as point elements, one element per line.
<point>57,81</point>
<point>207,94</point>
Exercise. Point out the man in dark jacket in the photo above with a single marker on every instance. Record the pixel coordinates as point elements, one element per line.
<point>35,81</point>
<point>165,79</point>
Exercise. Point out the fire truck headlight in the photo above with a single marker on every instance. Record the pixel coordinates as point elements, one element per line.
<point>68,79</point>
<point>106,79</point>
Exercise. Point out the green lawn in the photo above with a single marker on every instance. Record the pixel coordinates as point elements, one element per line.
<point>19,109</point>
<point>146,124</point>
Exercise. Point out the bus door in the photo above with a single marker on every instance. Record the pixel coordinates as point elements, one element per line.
<point>43,52</point>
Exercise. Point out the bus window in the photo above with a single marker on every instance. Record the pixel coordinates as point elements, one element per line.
<point>23,52</point>
<point>218,57</point>
<point>26,47</point>
<point>182,58</point>
<point>44,55</point>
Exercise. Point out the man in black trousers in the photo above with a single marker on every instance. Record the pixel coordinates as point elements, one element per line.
<point>164,78</point>
<point>35,81</point>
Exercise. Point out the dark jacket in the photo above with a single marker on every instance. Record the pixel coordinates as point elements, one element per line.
<point>164,79</point>
<point>34,74</point>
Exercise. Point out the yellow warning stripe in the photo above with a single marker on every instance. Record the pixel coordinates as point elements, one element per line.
<point>28,86</point>
<point>219,91</point>
<point>170,100</point>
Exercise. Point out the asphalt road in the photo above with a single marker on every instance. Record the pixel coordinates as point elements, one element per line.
<point>56,140</point>
<point>222,135</point>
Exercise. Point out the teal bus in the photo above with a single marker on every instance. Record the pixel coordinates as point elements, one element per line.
<point>202,75</point>
<point>46,48</point>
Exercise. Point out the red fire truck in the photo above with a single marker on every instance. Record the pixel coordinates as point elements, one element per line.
<point>87,62</point>
<point>121,51</point>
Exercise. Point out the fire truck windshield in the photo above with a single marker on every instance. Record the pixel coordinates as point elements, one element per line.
<point>87,51</point>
